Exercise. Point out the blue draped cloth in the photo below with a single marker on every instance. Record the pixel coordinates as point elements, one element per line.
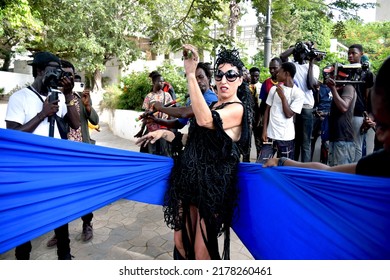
<point>283,212</point>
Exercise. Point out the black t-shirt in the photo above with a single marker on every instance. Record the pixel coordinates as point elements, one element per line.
<point>376,164</point>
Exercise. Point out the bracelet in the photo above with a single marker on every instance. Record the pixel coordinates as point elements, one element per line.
<point>40,116</point>
<point>281,161</point>
<point>70,103</point>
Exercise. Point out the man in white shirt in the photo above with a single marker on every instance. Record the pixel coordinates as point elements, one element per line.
<point>284,100</point>
<point>31,109</point>
<point>306,79</point>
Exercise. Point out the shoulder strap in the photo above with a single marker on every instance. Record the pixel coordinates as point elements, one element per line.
<point>34,91</point>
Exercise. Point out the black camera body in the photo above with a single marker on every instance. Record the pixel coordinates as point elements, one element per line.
<point>304,52</point>
<point>53,77</point>
<point>345,74</point>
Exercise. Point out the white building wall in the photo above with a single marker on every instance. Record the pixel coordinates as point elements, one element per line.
<point>10,80</point>
<point>383,11</point>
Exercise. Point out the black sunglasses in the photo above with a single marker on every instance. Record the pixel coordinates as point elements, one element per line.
<point>230,75</point>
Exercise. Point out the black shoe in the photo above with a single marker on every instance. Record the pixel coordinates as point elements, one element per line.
<point>66,257</point>
<point>52,241</point>
<point>87,232</point>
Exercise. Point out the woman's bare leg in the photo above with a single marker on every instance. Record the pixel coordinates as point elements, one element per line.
<point>178,235</point>
<point>201,252</point>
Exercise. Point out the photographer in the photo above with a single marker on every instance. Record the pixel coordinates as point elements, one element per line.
<point>306,78</point>
<point>83,104</point>
<point>29,110</point>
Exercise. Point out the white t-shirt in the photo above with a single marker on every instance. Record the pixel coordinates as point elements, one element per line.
<point>24,105</point>
<point>300,79</point>
<point>280,127</point>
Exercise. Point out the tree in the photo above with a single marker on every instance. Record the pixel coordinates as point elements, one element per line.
<point>234,18</point>
<point>189,21</point>
<point>304,19</point>
<point>19,26</point>
<point>374,37</point>
<point>90,33</point>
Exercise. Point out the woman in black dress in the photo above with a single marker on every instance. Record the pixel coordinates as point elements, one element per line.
<point>202,195</point>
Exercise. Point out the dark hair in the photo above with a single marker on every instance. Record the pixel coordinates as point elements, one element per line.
<point>154,73</point>
<point>290,68</point>
<point>254,69</point>
<point>381,87</point>
<point>356,46</point>
<point>155,77</point>
<point>67,64</point>
<point>206,68</point>
<point>229,56</point>
<point>277,59</point>
<point>77,77</point>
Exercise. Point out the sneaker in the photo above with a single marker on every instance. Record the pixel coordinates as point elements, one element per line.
<point>87,232</point>
<point>52,242</point>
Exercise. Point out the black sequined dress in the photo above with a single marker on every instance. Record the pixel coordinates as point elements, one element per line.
<point>205,175</point>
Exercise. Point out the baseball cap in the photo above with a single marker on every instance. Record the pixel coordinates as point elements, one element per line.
<point>44,58</point>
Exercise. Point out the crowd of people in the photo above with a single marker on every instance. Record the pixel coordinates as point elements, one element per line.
<point>310,103</point>
<point>284,115</point>
<point>290,110</point>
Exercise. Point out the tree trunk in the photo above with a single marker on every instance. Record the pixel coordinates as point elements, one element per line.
<point>233,19</point>
<point>7,61</point>
<point>97,81</point>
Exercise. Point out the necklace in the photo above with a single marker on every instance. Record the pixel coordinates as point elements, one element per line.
<point>274,83</point>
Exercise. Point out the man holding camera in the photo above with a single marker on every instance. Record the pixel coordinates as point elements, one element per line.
<point>341,135</point>
<point>306,77</point>
<point>30,109</point>
<point>83,104</point>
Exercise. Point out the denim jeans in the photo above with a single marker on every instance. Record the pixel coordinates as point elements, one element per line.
<point>320,128</point>
<point>341,152</point>
<point>359,138</point>
<point>303,131</point>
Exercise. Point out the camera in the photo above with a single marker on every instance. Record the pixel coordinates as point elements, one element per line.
<point>53,77</point>
<point>344,74</point>
<point>303,51</point>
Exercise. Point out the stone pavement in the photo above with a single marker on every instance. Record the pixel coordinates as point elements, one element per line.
<point>124,230</point>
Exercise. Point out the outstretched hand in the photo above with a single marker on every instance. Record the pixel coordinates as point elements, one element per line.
<point>153,136</point>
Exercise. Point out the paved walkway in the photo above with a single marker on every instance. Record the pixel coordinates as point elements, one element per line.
<point>124,230</point>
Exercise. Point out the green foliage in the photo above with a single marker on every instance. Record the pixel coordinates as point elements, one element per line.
<point>176,77</point>
<point>134,89</point>
<point>258,61</point>
<point>90,33</point>
<point>19,26</point>
<point>374,37</point>
<point>137,85</point>
<point>110,97</point>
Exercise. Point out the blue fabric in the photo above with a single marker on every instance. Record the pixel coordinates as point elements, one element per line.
<point>283,213</point>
